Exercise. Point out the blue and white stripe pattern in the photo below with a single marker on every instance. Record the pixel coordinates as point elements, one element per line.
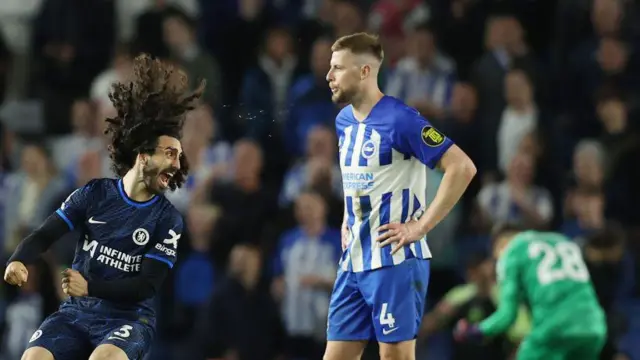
<point>384,178</point>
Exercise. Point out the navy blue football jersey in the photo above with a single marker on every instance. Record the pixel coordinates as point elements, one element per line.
<point>117,234</point>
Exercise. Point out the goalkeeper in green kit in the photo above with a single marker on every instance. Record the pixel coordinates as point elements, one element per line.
<point>546,272</point>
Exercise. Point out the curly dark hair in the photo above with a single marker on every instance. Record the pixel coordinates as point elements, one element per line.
<point>154,104</point>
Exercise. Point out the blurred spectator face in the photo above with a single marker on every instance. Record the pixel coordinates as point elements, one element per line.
<point>613,114</point>
<point>319,173</point>
<point>520,169</point>
<point>495,33</point>
<point>34,161</point>
<point>513,34</point>
<point>589,210</point>
<point>463,102</point>
<point>606,16</point>
<point>310,210</point>
<point>321,57</point>
<point>199,125</point>
<point>587,165</point>
<point>89,167</point>
<point>83,117</point>
<point>177,34</point>
<point>279,45</point>
<point>347,19</point>
<point>248,161</point>
<point>530,145</point>
<point>321,143</point>
<point>612,56</point>
<point>518,90</point>
<point>422,46</point>
<point>123,65</point>
<point>244,263</point>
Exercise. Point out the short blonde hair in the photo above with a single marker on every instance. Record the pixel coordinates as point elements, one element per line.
<point>360,44</point>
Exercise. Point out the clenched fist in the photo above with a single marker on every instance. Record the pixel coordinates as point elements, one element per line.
<point>16,273</point>
<point>73,284</point>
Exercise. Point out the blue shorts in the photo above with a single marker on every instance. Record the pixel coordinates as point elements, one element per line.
<point>385,304</point>
<point>70,334</point>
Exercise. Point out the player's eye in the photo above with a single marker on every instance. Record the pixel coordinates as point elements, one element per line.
<point>171,154</point>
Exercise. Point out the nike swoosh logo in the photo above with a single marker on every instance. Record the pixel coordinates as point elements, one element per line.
<point>388,331</point>
<point>91,221</point>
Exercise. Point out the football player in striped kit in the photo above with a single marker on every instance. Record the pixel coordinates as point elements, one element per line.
<point>385,149</point>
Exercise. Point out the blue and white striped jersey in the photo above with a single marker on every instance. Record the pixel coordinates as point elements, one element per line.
<point>383,161</point>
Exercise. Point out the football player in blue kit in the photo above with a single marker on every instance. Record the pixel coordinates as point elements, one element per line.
<point>385,149</point>
<point>129,230</point>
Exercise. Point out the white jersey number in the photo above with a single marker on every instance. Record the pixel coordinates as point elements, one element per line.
<point>570,266</point>
<point>386,318</point>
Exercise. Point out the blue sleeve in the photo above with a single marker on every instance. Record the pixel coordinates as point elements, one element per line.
<point>414,135</point>
<point>74,209</point>
<point>166,239</point>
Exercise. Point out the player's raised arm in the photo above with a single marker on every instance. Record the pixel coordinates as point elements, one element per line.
<point>155,267</point>
<point>70,214</point>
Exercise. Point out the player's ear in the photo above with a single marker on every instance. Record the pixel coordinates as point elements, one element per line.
<point>365,71</point>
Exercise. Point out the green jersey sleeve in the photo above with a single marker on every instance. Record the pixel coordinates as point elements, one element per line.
<point>508,273</point>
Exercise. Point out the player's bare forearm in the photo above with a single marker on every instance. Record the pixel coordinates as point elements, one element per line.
<point>501,320</point>
<point>459,170</point>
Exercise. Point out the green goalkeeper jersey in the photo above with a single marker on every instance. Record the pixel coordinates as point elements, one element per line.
<point>546,272</point>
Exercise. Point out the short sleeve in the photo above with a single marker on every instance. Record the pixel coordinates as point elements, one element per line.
<point>74,209</point>
<point>414,135</point>
<point>166,239</point>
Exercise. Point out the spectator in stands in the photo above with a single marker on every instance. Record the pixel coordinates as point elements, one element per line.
<point>622,146</point>
<point>505,49</point>
<point>31,192</point>
<point>519,118</point>
<point>194,282</point>
<point>611,272</point>
<point>320,144</point>
<point>304,269</point>
<point>589,160</point>
<point>517,199</point>
<point>179,33</point>
<point>587,209</point>
<point>121,70</point>
<point>209,156</point>
<point>424,78</point>
<point>243,321</point>
<point>67,149</point>
<point>266,86</point>
<point>348,18</point>
<point>310,99</point>
<point>247,206</point>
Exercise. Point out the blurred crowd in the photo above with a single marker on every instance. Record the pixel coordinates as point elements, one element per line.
<point>544,96</point>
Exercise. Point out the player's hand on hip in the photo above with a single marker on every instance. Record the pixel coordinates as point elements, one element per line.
<point>399,234</point>
<point>74,284</point>
<point>16,273</point>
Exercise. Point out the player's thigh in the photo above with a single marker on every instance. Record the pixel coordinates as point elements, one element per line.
<point>349,315</point>
<point>396,296</point>
<point>535,350</point>
<point>62,335</point>
<point>125,338</point>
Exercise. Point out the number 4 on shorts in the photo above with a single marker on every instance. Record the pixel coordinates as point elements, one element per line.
<point>386,318</point>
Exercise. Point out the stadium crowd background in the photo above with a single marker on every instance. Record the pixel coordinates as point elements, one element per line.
<point>543,95</point>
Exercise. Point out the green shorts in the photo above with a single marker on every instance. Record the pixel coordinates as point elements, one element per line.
<point>582,348</point>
